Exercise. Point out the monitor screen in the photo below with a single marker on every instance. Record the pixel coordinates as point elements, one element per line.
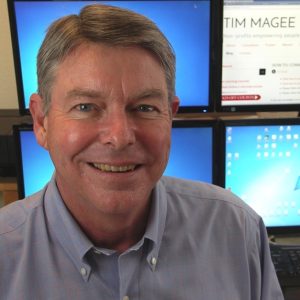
<point>261,62</point>
<point>34,165</point>
<point>192,151</point>
<point>188,25</point>
<point>261,164</point>
<point>191,156</point>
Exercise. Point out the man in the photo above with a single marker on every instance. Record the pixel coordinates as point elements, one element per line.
<point>107,226</point>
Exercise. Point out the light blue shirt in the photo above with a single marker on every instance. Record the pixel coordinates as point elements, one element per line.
<point>201,242</point>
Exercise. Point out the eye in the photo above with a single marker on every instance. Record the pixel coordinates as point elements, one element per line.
<point>146,108</point>
<point>84,107</point>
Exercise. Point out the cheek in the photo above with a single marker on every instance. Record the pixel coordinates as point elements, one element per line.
<point>159,140</point>
<point>67,140</point>
<point>74,138</point>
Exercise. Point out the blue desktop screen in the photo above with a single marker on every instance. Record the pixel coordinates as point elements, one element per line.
<point>37,167</point>
<point>262,166</point>
<point>191,157</point>
<point>185,23</point>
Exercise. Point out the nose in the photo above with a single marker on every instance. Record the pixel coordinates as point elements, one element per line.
<point>118,131</point>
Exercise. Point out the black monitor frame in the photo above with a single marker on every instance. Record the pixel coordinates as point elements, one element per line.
<point>214,63</point>
<point>249,122</point>
<point>16,57</point>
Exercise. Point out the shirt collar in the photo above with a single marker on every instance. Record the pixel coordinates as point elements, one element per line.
<point>76,243</point>
<point>65,229</point>
<point>156,223</point>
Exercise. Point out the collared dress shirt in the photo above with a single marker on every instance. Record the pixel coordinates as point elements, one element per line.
<point>201,242</point>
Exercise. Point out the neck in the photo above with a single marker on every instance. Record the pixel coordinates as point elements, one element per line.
<point>112,231</point>
<point>118,233</point>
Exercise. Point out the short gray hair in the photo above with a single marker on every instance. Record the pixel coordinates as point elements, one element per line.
<point>101,24</point>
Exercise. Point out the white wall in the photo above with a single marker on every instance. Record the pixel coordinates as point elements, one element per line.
<point>8,90</point>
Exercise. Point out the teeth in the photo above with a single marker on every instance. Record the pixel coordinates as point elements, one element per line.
<point>109,168</point>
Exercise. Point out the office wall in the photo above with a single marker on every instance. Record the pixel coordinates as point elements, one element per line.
<point>8,90</point>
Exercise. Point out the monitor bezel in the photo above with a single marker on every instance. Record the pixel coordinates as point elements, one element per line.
<point>16,58</point>
<point>197,123</point>
<point>256,108</point>
<point>215,53</point>
<point>276,230</point>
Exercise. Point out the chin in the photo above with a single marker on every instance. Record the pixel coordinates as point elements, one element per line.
<point>120,201</point>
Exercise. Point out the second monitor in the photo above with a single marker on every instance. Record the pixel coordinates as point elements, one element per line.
<point>192,155</point>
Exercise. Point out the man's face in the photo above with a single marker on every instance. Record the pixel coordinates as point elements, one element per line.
<point>108,128</point>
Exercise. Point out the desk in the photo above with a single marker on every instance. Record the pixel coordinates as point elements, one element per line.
<point>291,293</point>
<point>9,190</point>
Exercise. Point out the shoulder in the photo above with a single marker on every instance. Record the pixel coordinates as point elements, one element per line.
<point>195,196</point>
<point>15,215</point>
<point>212,213</point>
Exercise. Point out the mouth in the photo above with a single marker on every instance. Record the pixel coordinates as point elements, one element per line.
<point>114,168</point>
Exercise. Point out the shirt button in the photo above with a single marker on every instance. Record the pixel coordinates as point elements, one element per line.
<point>83,271</point>
<point>153,261</point>
<point>125,298</point>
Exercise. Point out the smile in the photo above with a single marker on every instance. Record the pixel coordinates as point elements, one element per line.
<point>116,169</point>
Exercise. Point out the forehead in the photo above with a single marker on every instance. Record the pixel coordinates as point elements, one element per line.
<point>98,64</point>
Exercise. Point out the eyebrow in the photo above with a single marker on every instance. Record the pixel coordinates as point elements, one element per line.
<point>93,94</point>
<point>149,93</point>
<point>77,93</point>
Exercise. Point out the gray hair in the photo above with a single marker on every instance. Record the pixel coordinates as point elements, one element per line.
<point>101,24</point>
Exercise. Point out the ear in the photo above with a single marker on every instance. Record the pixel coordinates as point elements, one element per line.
<point>175,105</point>
<point>39,119</point>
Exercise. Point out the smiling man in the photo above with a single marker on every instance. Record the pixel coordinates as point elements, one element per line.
<point>108,225</point>
<point>109,126</point>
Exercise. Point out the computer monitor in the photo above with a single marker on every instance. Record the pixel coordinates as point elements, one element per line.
<point>33,162</point>
<point>192,154</point>
<point>261,62</point>
<point>261,164</point>
<point>189,25</point>
<point>191,157</point>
